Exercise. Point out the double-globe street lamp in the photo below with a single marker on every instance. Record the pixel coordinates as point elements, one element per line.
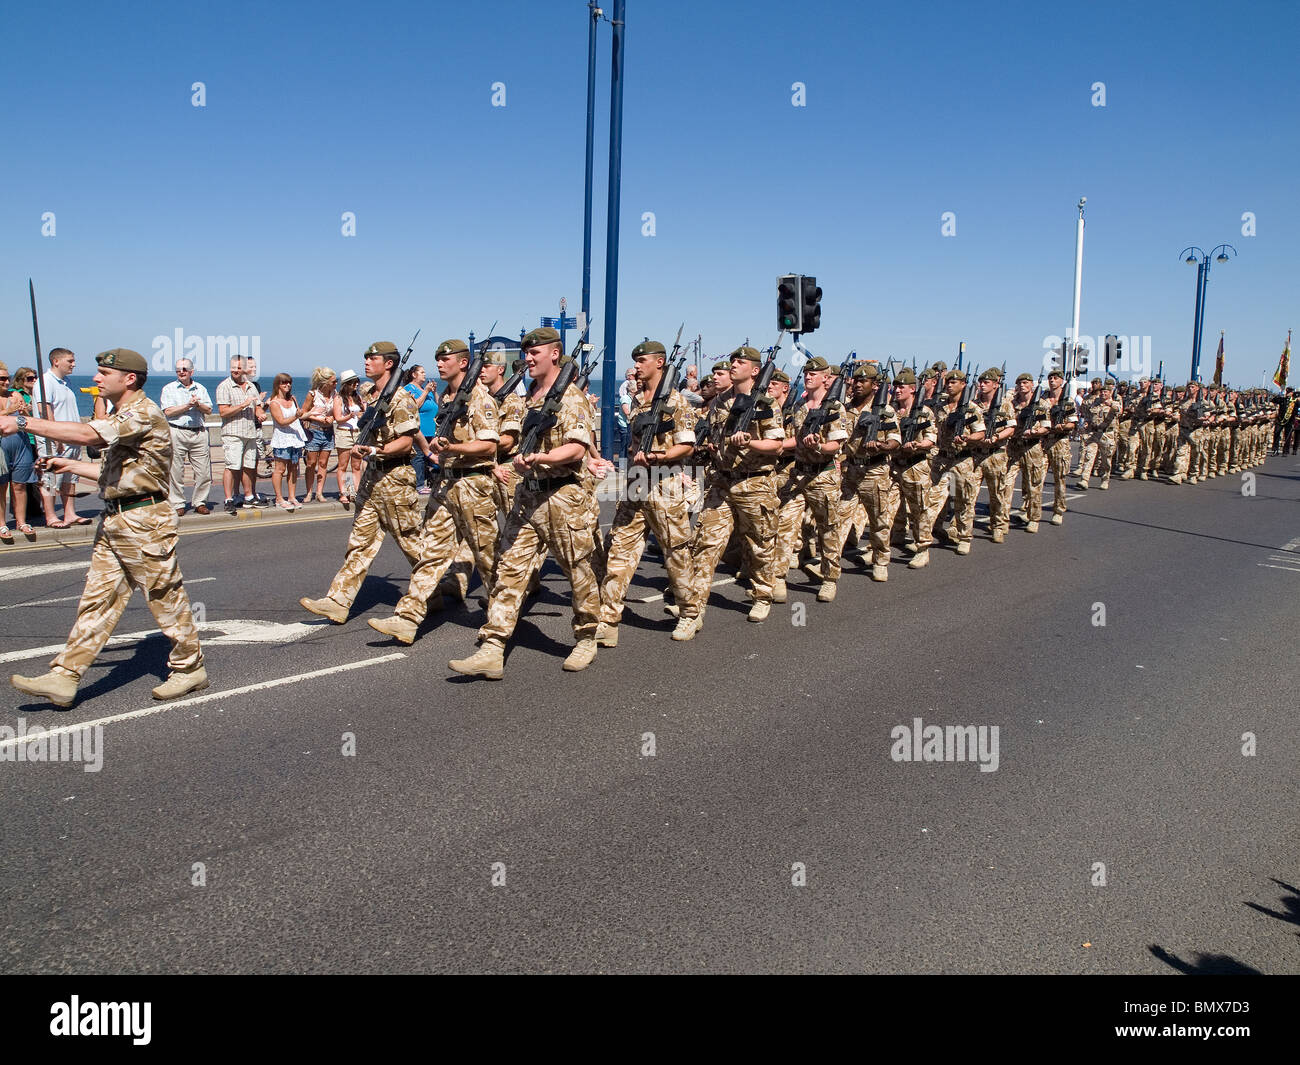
<point>1201,260</point>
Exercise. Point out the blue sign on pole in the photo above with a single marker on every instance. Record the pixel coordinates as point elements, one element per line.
<point>561,323</point>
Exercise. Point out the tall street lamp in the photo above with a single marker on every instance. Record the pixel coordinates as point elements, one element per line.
<point>1194,256</point>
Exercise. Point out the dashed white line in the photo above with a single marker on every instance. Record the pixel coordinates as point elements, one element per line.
<point>210,697</point>
<point>14,573</point>
<point>657,598</point>
<point>75,598</point>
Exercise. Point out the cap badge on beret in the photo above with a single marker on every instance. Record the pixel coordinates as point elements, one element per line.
<point>123,359</point>
<point>648,347</point>
<point>451,347</point>
<point>538,337</point>
<point>746,352</point>
<point>382,347</point>
<point>816,364</point>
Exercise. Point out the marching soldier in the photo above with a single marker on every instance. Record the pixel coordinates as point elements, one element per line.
<point>1063,420</point>
<point>391,506</point>
<point>955,435</point>
<point>910,467</point>
<point>867,479</point>
<point>991,455</point>
<point>815,478</point>
<point>552,507</point>
<point>740,494</point>
<point>1100,412</point>
<point>1188,456</point>
<point>659,505</point>
<point>135,545</point>
<point>1025,449</point>
<point>789,521</point>
<point>462,510</point>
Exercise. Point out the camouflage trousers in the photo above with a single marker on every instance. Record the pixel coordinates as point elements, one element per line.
<point>913,483</point>
<point>872,488</point>
<point>461,516</point>
<point>966,487</point>
<point>557,520</point>
<point>133,549</point>
<point>665,513</point>
<point>392,508</point>
<point>1032,465</point>
<point>1058,461</point>
<point>991,469</point>
<point>1147,458</point>
<point>819,496</point>
<point>1169,444</point>
<point>749,506</point>
<point>1187,458</point>
<point>1098,447</point>
<point>1126,449</point>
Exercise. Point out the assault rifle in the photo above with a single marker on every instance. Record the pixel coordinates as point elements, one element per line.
<point>541,419</point>
<point>817,420</point>
<point>912,422</point>
<point>458,407</point>
<point>510,385</point>
<point>374,416</point>
<point>1024,420</point>
<point>649,424</point>
<point>45,410</point>
<point>745,406</point>
<point>868,423</point>
<point>957,419</point>
<point>990,427</point>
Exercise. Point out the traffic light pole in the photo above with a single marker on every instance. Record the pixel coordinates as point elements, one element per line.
<point>609,371</point>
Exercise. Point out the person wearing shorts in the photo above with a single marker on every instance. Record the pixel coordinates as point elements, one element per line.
<point>348,407</point>
<point>286,442</point>
<point>240,406</point>
<point>17,461</point>
<point>319,424</point>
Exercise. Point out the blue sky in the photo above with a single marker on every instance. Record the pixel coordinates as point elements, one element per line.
<point>226,220</point>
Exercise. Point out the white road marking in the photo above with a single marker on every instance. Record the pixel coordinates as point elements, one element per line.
<point>75,598</point>
<point>1289,569</point>
<point>233,631</point>
<point>657,598</point>
<point>210,697</point>
<point>14,573</point>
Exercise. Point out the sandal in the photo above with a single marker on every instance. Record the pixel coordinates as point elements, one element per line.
<point>56,524</point>
<point>5,534</point>
<point>26,529</point>
<point>79,521</point>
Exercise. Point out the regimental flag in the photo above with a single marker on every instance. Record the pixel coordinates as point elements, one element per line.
<point>1218,363</point>
<point>1283,364</point>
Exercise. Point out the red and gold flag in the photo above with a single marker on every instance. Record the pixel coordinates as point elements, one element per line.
<point>1283,364</point>
<point>1218,363</point>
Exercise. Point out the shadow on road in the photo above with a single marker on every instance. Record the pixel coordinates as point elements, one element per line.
<point>1205,964</point>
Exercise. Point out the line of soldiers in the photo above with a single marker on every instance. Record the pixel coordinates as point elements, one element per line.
<point>870,464</point>
<point>1186,434</point>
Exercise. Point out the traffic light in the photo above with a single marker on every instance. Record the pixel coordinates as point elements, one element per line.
<point>789,311</point>
<point>811,299</point>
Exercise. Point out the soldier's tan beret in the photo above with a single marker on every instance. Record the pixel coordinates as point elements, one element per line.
<point>866,372</point>
<point>780,376</point>
<point>123,359</point>
<point>723,365</point>
<point>746,352</point>
<point>991,374</point>
<point>905,377</point>
<point>538,337</point>
<point>1024,377</point>
<point>816,364</point>
<point>383,347</point>
<point>648,347</point>
<point>451,347</point>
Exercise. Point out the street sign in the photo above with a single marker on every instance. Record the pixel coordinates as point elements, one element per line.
<point>560,323</point>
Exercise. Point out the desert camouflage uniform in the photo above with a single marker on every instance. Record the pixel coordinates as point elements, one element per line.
<point>815,479</point>
<point>1126,448</point>
<point>867,480</point>
<point>1030,458</point>
<point>959,462</point>
<point>991,468</point>
<point>1099,421</point>
<point>1058,455</point>
<point>911,476</point>
<point>461,513</point>
<point>551,511</point>
<point>655,499</point>
<point>134,548</point>
<point>1187,459</point>
<point>392,506</point>
<point>740,495</point>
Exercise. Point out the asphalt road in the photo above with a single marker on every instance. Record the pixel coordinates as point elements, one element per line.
<point>1119,744</point>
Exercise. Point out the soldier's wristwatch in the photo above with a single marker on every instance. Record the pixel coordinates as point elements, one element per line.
<point>21,422</point>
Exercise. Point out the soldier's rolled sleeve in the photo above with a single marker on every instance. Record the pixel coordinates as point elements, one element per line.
<point>684,436</point>
<point>487,434</point>
<point>774,433</point>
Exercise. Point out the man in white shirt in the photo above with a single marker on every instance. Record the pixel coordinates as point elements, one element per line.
<point>241,410</point>
<point>60,406</point>
<point>185,404</point>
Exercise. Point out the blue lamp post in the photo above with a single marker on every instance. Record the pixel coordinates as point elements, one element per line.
<point>1194,256</point>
